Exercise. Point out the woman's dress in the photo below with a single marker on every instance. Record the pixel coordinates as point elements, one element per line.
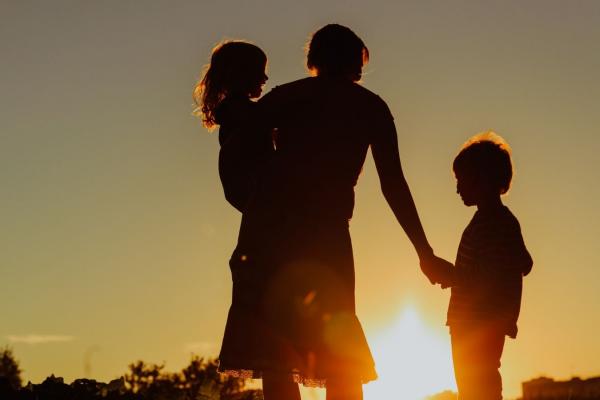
<point>293,306</point>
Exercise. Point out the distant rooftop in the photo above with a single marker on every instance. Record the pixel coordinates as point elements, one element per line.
<point>575,389</point>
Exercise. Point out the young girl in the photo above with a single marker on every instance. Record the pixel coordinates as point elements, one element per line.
<point>235,75</point>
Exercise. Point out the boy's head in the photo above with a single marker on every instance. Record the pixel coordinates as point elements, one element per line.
<point>483,168</point>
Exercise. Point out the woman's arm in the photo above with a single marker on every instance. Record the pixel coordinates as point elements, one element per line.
<point>384,146</point>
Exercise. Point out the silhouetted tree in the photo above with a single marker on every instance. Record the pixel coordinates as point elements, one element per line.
<point>53,388</point>
<point>9,368</point>
<point>201,378</point>
<point>198,380</point>
<point>141,376</point>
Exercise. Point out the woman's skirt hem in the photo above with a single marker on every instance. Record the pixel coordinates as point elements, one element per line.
<point>295,376</point>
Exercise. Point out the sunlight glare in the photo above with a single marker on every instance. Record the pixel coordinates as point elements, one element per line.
<point>412,361</point>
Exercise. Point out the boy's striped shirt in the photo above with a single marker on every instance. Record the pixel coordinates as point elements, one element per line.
<point>487,278</point>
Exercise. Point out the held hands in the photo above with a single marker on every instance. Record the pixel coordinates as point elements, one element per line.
<point>437,270</point>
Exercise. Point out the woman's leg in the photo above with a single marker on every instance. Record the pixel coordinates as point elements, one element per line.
<point>279,387</point>
<point>344,389</point>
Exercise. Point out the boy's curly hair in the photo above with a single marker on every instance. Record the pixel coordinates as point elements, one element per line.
<point>489,156</point>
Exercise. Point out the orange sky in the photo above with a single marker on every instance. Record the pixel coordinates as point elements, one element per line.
<point>116,234</point>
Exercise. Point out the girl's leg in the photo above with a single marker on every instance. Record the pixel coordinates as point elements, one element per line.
<point>344,389</point>
<point>279,387</point>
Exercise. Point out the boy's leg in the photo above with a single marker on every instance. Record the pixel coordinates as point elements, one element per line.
<point>476,354</point>
<point>279,387</point>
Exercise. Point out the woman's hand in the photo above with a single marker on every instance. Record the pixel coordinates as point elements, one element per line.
<point>437,270</point>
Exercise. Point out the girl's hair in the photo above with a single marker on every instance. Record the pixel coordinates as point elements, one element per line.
<point>235,68</point>
<point>336,50</point>
<point>486,155</point>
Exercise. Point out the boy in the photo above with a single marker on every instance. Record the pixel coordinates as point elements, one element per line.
<point>486,279</point>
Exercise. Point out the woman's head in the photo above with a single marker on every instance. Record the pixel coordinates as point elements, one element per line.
<point>236,68</point>
<point>335,50</point>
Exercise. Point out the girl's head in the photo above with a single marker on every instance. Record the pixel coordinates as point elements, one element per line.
<point>335,50</point>
<point>236,68</point>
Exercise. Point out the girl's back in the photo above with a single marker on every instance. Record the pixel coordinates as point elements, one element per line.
<point>244,151</point>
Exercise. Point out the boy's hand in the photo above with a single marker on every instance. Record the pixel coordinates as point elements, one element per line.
<point>445,269</point>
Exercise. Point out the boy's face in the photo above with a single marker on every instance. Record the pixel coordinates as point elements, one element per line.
<point>466,187</point>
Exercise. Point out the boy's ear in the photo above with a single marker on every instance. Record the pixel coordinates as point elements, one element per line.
<point>483,182</point>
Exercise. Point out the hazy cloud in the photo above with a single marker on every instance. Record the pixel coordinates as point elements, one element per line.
<point>39,339</point>
<point>201,348</point>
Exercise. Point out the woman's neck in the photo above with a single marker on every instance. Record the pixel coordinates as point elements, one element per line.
<point>336,77</point>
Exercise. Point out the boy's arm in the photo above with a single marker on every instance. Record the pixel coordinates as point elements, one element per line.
<point>506,251</point>
<point>527,263</point>
<point>501,255</point>
<point>523,258</point>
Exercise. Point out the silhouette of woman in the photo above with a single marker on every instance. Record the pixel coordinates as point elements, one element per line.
<point>292,318</point>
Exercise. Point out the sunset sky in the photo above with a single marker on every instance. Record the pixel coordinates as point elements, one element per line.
<point>115,232</point>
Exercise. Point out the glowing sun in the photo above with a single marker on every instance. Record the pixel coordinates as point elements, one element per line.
<point>412,361</point>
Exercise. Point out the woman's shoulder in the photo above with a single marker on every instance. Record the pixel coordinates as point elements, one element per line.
<point>291,88</point>
<point>319,87</point>
<point>372,103</point>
